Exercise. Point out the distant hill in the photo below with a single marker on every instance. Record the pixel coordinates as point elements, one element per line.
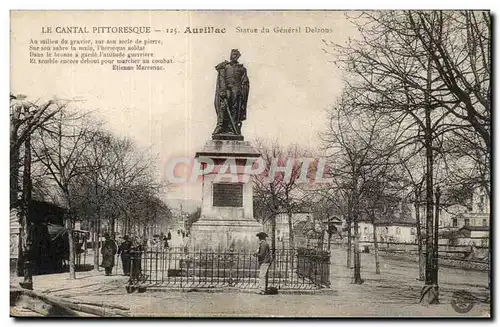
<point>188,205</point>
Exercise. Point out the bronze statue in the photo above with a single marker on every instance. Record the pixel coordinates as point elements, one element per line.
<point>231,96</point>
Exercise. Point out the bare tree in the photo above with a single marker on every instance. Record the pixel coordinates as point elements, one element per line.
<point>396,68</point>
<point>61,150</point>
<point>334,195</point>
<point>280,193</point>
<point>459,45</point>
<point>414,170</point>
<point>323,210</point>
<point>384,189</point>
<point>121,174</point>
<point>26,117</point>
<point>360,145</point>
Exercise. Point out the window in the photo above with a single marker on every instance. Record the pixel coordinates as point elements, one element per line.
<point>455,222</point>
<point>398,231</point>
<point>467,222</point>
<point>485,223</point>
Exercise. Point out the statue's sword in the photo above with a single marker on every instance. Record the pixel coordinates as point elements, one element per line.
<point>230,116</point>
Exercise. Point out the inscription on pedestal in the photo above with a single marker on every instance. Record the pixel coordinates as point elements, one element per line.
<point>227,195</point>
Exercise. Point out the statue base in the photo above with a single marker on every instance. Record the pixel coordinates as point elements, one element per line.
<point>230,137</point>
<point>223,234</point>
<point>227,219</point>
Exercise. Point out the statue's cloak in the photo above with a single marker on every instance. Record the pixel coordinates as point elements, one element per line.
<point>219,102</point>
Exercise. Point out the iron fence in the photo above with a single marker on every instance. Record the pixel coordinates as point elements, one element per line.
<point>314,264</point>
<point>452,252</point>
<point>177,267</point>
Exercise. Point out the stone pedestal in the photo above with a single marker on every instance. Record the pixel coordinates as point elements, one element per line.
<point>227,202</point>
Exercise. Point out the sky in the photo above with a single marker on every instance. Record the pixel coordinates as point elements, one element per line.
<point>171,112</point>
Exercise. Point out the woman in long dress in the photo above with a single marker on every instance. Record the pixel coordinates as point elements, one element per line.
<point>108,252</point>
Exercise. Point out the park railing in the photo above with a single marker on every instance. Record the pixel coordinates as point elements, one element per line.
<point>456,252</point>
<point>456,256</point>
<point>314,264</point>
<point>181,268</point>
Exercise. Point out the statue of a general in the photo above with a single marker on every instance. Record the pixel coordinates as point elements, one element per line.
<point>231,95</point>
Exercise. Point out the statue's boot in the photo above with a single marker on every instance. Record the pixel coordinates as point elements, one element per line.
<point>218,130</point>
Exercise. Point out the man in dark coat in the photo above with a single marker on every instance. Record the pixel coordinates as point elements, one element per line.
<point>136,257</point>
<point>231,95</point>
<point>108,252</point>
<point>264,257</point>
<point>166,239</point>
<point>124,252</point>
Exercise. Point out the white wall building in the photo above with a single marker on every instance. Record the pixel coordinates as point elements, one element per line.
<point>394,232</point>
<point>282,228</point>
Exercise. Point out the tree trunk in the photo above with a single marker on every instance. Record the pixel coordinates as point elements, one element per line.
<point>97,224</point>
<point>69,227</point>
<point>436,239</point>
<point>27,252</point>
<point>429,203</point>
<point>14,177</point>
<point>125,226</point>
<point>430,291</point>
<point>349,243</point>
<point>375,246</point>
<point>291,238</point>
<point>273,235</point>
<point>112,223</point>
<point>321,240</point>
<point>98,236</point>
<point>21,244</point>
<point>95,246</point>
<point>421,259</point>
<point>357,258</point>
<point>129,226</point>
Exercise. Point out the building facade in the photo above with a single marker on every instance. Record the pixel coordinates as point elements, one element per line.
<point>392,232</point>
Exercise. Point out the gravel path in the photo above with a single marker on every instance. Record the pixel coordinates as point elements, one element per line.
<point>395,292</point>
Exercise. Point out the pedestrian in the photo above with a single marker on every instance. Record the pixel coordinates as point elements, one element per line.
<point>166,239</point>
<point>157,244</point>
<point>108,252</point>
<point>264,257</point>
<point>136,254</point>
<point>124,252</point>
